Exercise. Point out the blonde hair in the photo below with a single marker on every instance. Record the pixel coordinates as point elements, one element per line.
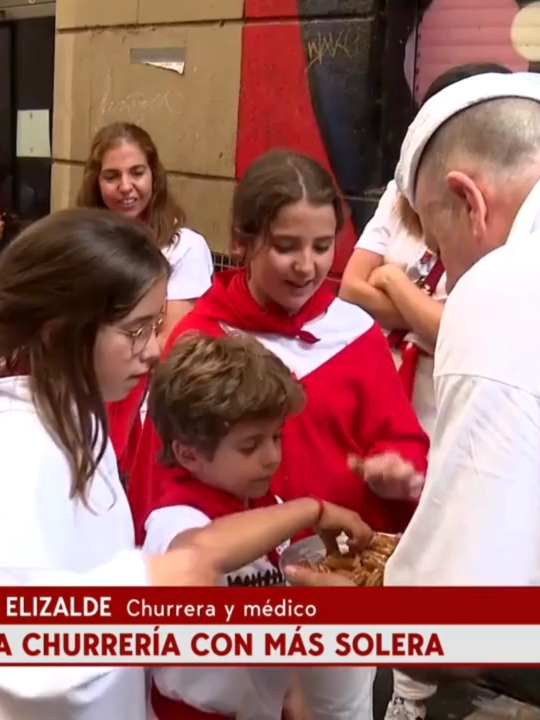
<point>408,217</point>
<point>206,386</point>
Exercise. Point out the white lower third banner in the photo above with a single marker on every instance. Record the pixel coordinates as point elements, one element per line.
<point>254,644</point>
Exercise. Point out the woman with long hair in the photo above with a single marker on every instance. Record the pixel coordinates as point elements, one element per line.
<point>124,174</point>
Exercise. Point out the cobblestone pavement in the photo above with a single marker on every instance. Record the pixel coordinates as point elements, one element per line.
<point>470,702</point>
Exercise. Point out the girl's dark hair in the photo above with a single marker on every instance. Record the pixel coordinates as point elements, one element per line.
<point>274,180</point>
<point>461,72</point>
<point>62,279</point>
<point>163,214</point>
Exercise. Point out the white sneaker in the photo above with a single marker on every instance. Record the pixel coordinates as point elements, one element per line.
<point>402,709</point>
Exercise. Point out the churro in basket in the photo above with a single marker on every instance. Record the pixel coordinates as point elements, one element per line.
<point>365,569</point>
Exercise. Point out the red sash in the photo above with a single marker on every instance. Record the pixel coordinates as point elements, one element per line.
<point>411,353</point>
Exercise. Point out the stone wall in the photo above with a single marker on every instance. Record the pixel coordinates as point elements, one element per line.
<point>315,75</point>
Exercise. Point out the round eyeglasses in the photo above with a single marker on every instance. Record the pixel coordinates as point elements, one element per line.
<point>141,337</point>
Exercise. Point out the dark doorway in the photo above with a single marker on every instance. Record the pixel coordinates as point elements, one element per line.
<point>26,106</point>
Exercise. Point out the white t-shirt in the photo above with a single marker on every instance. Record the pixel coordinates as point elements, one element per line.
<point>253,693</point>
<point>46,538</point>
<point>256,692</point>
<point>191,273</point>
<point>478,521</point>
<point>386,236</point>
<point>191,261</point>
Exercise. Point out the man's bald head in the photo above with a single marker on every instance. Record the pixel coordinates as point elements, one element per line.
<point>469,160</point>
<point>473,176</point>
<point>499,137</point>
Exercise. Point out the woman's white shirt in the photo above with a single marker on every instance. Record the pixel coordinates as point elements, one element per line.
<point>191,262</point>
<point>47,538</point>
<point>386,236</point>
<point>191,272</point>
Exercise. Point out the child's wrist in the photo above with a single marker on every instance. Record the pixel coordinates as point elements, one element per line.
<point>320,508</point>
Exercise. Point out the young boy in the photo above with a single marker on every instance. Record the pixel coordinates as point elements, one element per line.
<point>219,405</point>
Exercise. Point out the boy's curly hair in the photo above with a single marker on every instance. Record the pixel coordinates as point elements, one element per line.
<point>208,385</point>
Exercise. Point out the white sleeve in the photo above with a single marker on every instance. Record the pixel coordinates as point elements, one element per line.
<point>43,683</point>
<point>378,232</point>
<point>165,524</point>
<point>192,267</point>
<point>478,521</point>
<point>32,545</point>
<point>213,690</point>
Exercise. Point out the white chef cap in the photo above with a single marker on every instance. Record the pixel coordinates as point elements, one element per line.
<point>449,102</point>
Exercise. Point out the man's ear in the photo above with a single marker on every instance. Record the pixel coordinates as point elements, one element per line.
<point>464,187</point>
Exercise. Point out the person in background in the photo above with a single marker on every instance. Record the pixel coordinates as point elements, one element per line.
<point>124,173</point>
<point>395,277</point>
<point>286,215</point>
<point>219,405</point>
<point>470,170</point>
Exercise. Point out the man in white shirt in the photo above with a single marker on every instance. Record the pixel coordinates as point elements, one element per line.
<point>470,168</point>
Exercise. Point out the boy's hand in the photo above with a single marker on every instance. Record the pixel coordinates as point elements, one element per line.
<point>389,476</point>
<point>336,520</point>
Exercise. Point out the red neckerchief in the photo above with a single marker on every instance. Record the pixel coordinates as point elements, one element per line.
<point>230,301</point>
<point>410,353</point>
<point>125,423</point>
<point>227,302</point>
<point>183,489</point>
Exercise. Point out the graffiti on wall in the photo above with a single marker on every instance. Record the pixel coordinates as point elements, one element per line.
<point>339,79</point>
<point>308,84</point>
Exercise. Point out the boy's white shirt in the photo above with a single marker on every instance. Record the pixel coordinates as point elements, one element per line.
<point>227,690</point>
<point>254,693</point>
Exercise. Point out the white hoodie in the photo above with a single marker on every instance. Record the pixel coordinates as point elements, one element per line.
<point>46,538</point>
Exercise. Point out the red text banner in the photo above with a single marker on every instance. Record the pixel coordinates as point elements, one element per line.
<point>216,606</point>
<point>277,626</point>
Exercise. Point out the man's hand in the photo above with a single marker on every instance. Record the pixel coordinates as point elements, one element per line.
<point>389,476</point>
<point>308,578</point>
